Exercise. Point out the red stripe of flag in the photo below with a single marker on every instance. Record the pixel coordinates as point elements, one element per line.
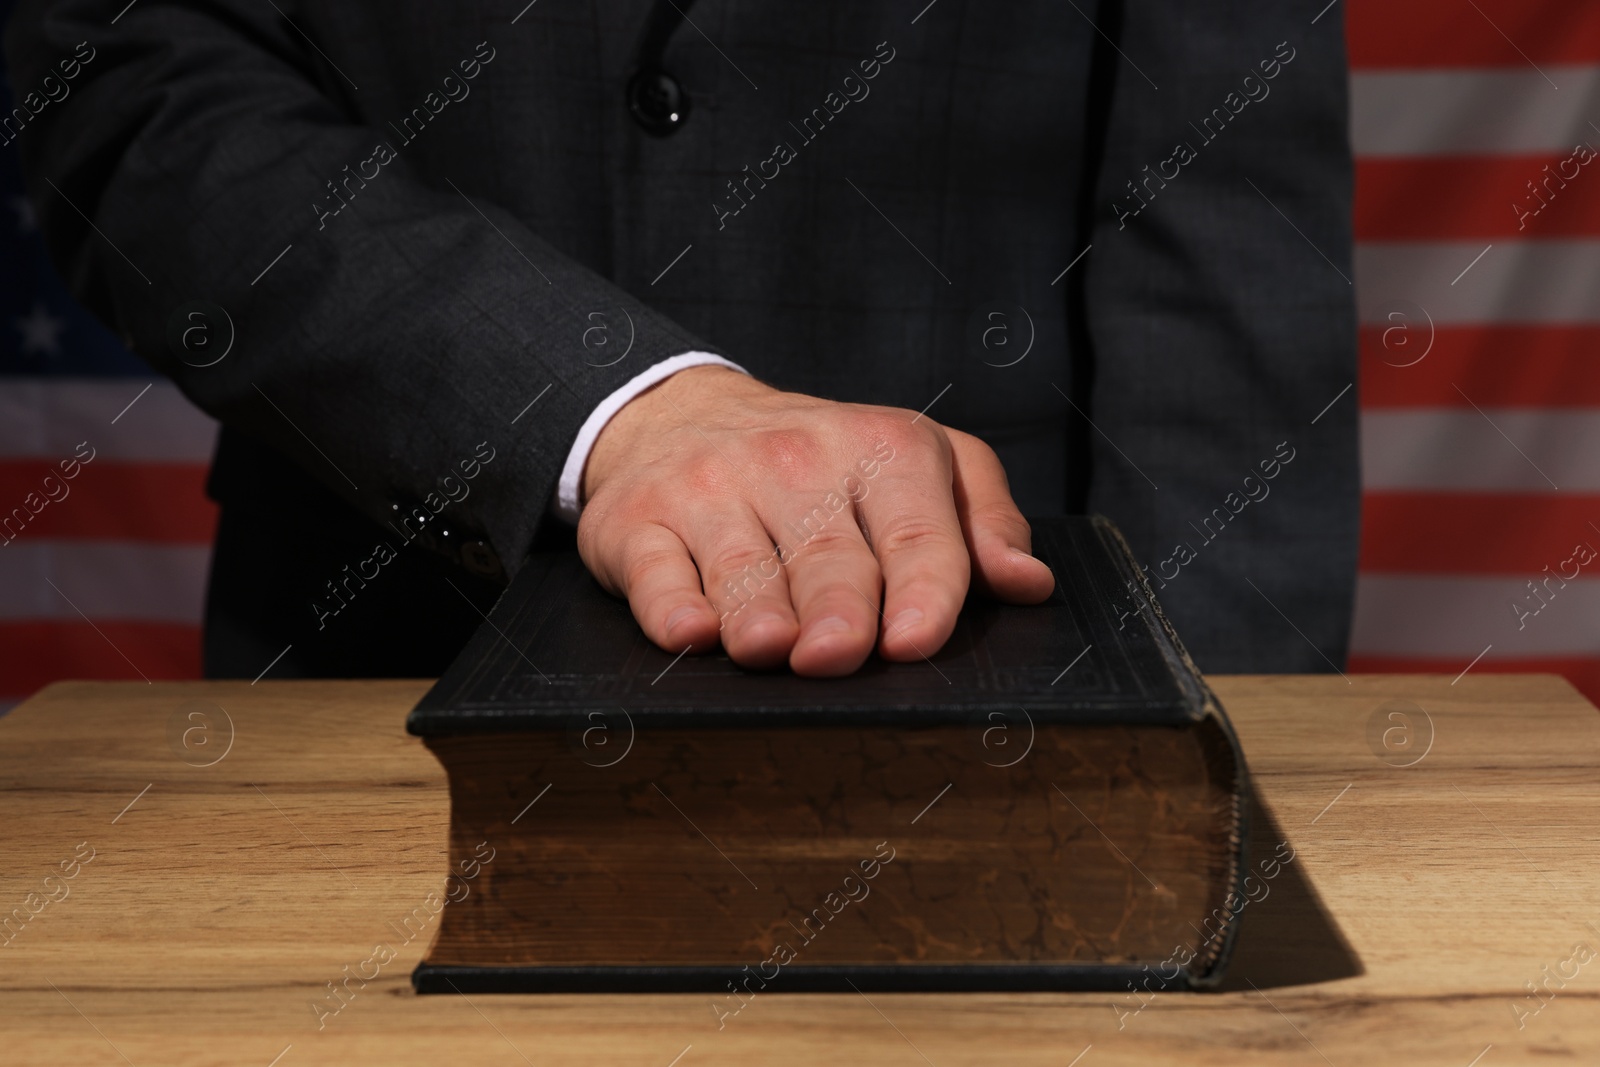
<point>1474,533</point>
<point>40,651</point>
<point>160,503</point>
<point>1455,197</point>
<point>1497,366</point>
<point>1455,33</point>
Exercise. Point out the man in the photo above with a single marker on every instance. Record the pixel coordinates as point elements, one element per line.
<point>480,263</point>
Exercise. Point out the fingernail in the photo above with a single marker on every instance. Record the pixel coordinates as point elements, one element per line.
<point>905,620</point>
<point>833,624</point>
<point>766,618</point>
<point>688,611</point>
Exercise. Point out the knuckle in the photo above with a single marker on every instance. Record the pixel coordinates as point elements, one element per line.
<point>891,433</point>
<point>835,540</point>
<point>735,589</point>
<point>790,455</point>
<point>652,504</point>
<point>732,560</point>
<point>891,426</point>
<point>622,506</point>
<point>1002,517</point>
<point>643,563</point>
<point>913,535</point>
<point>707,475</point>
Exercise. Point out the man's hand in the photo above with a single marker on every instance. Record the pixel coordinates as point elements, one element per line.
<point>718,503</point>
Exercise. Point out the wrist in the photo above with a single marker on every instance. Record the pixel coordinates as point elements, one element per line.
<point>667,403</point>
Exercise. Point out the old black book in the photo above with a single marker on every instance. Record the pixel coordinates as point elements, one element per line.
<point>1054,801</point>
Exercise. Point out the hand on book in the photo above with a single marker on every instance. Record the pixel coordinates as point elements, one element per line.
<point>793,528</point>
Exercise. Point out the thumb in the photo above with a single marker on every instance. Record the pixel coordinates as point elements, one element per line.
<point>998,538</point>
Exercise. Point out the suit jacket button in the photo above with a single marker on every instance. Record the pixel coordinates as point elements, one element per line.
<point>658,101</point>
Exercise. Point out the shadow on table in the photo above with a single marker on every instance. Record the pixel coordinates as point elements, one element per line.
<point>1287,937</point>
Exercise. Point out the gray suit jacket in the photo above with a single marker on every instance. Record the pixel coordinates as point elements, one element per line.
<point>1117,250</point>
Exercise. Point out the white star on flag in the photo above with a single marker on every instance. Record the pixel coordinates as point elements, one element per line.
<point>41,331</point>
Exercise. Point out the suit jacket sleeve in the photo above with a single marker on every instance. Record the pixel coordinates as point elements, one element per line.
<point>377,347</point>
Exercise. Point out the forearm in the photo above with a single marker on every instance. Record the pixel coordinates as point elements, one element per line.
<point>378,345</point>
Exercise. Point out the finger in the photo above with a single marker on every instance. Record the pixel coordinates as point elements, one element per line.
<point>910,516</point>
<point>835,586</point>
<point>745,582</point>
<point>998,537</point>
<point>651,566</point>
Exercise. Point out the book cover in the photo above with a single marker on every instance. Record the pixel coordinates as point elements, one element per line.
<point>1053,800</point>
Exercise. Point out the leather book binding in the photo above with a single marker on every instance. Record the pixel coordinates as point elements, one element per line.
<point>1053,800</point>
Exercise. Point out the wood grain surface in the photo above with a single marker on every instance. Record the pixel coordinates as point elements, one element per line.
<point>198,866</point>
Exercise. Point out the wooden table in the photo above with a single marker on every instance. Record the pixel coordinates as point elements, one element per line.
<point>221,899</point>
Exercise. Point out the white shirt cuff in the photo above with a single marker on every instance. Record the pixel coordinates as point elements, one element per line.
<point>567,490</point>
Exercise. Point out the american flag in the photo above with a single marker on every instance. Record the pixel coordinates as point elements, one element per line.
<point>102,575</point>
<point>1478,283</point>
<point>1479,383</point>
